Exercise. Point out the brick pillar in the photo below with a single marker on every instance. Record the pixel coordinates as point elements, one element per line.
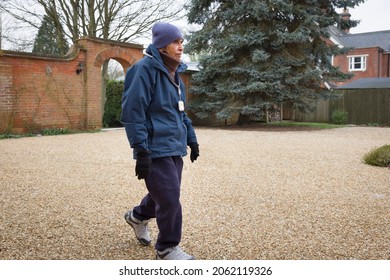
<point>6,98</point>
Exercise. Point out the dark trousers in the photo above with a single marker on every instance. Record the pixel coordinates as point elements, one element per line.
<point>163,200</point>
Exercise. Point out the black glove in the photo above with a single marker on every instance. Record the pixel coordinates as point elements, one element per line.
<point>194,151</point>
<point>143,165</point>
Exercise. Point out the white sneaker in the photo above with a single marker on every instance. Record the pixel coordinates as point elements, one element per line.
<point>173,253</point>
<point>141,229</point>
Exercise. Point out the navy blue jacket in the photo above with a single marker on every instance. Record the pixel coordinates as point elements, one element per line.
<point>150,111</point>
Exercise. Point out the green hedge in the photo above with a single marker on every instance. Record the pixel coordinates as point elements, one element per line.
<point>113,107</point>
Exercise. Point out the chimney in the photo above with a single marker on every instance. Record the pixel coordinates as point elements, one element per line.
<point>345,19</point>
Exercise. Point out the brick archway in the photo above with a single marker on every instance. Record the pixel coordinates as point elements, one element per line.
<point>124,56</point>
<point>39,92</point>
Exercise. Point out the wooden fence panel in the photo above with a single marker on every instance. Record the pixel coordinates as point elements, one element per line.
<point>365,106</point>
<point>321,114</point>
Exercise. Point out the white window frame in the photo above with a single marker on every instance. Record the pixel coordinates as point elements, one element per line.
<point>353,63</point>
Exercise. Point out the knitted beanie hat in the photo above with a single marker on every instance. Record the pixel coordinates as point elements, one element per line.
<point>164,33</point>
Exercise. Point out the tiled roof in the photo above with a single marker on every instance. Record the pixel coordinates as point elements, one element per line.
<point>193,66</point>
<point>362,40</point>
<point>367,83</point>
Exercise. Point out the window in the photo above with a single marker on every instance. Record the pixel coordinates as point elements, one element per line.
<point>357,63</point>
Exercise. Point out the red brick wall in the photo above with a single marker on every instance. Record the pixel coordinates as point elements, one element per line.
<point>43,92</point>
<point>386,65</point>
<point>376,63</point>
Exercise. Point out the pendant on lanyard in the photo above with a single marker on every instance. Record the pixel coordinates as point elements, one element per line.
<point>180,103</point>
<point>181,106</point>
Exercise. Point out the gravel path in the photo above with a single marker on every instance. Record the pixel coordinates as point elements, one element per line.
<point>250,195</point>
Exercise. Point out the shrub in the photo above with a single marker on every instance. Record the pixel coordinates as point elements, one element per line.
<point>378,156</point>
<point>55,131</point>
<point>339,116</point>
<point>113,106</point>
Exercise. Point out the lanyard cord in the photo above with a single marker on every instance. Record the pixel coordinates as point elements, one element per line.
<point>177,85</point>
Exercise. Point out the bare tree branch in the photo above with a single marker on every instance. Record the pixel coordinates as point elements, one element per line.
<point>120,20</point>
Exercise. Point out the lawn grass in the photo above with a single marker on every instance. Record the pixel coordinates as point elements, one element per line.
<point>48,132</point>
<point>305,124</point>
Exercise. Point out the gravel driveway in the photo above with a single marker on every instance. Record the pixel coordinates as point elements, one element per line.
<point>252,194</point>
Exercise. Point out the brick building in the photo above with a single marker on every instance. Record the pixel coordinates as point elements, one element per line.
<point>369,56</point>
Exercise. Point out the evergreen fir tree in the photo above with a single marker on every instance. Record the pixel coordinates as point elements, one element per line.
<point>49,41</point>
<point>258,53</point>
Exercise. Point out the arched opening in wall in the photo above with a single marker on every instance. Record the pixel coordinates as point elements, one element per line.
<point>112,89</point>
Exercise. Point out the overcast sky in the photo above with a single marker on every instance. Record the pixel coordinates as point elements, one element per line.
<point>374,15</point>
